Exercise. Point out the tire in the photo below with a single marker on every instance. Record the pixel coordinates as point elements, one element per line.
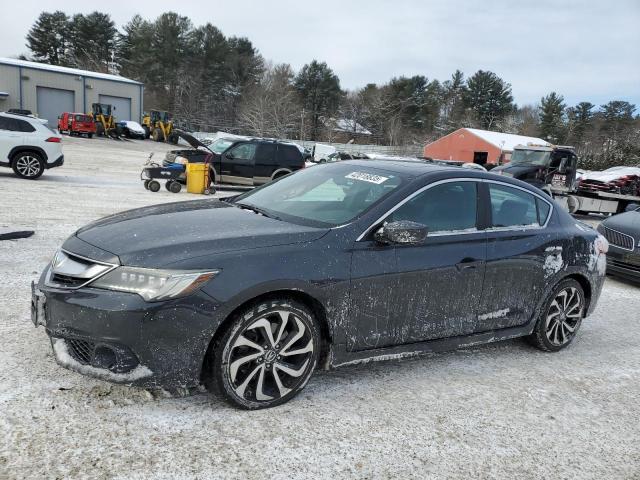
<point>561,317</point>
<point>248,366</point>
<point>28,165</point>
<point>175,187</point>
<point>99,129</point>
<point>154,185</point>
<point>147,132</point>
<point>173,139</point>
<point>146,184</point>
<point>279,175</point>
<point>167,185</point>
<point>90,135</point>
<point>157,135</point>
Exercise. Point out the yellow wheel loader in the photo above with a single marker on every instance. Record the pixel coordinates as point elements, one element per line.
<point>159,126</point>
<point>101,113</point>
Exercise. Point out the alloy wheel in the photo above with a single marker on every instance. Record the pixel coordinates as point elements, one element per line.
<point>563,316</point>
<point>271,357</point>
<point>28,166</point>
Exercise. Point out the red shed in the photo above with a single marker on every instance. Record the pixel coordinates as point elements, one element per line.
<point>478,146</point>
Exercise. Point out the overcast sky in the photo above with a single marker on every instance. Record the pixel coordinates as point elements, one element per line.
<point>585,50</point>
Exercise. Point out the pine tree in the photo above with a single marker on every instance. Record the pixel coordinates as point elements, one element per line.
<point>579,121</point>
<point>453,107</point>
<point>552,125</point>
<point>94,41</point>
<point>320,93</point>
<point>48,38</point>
<point>489,97</point>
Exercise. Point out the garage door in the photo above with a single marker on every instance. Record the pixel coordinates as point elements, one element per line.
<point>122,106</point>
<point>52,102</point>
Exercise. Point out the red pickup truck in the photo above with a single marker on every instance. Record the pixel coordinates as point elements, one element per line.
<point>76,124</point>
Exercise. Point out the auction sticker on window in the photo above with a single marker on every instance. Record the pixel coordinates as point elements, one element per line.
<point>367,177</point>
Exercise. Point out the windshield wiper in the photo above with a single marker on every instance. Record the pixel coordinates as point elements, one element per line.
<point>255,209</point>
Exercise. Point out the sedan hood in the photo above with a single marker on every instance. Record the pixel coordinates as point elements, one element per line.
<point>628,223</point>
<point>160,235</point>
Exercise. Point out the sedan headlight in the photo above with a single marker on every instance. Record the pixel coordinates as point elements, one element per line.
<point>153,284</point>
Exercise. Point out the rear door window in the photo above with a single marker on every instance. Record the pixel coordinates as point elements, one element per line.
<point>512,207</point>
<point>448,207</point>
<point>288,154</point>
<point>265,153</point>
<point>6,124</point>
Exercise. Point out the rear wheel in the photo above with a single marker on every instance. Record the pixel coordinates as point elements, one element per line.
<point>146,184</point>
<point>267,354</point>
<point>28,165</point>
<point>173,139</point>
<point>561,318</point>
<point>147,132</point>
<point>175,187</point>
<point>90,135</point>
<point>154,185</point>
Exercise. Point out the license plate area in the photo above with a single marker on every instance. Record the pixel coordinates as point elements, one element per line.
<point>38,306</point>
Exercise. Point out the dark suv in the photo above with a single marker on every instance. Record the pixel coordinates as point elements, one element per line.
<point>251,161</point>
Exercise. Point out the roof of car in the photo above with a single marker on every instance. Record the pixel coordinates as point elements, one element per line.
<point>421,168</point>
<point>407,166</point>
<point>20,117</point>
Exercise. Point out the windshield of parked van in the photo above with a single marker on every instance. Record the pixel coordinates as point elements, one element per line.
<point>326,195</point>
<point>530,157</point>
<point>220,145</point>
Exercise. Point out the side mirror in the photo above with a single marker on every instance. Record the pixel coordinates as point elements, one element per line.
<point>402,232</point>
<point>563,166</point>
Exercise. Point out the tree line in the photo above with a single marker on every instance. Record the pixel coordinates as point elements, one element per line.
<point>213,82</point>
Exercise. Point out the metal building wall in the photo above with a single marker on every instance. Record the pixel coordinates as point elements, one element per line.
<point>87,90</point>
<point>9,83</point>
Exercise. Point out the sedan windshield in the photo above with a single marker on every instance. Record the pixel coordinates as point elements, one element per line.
<point>530,157</point>
<point>327,195</point>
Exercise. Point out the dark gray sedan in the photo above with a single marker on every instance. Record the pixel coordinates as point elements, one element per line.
<point>336,264</point>
<point>623,233</point>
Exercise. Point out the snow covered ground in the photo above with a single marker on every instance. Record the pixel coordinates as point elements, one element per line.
<point>502,411</point>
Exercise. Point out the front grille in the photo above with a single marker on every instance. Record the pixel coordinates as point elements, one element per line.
<point>71,271</point>
<point>67,281</point>
<point>619,239</point>
<point>81,350</point>
<point>619,264</point>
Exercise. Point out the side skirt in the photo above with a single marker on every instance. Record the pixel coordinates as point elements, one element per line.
<point>341,357</point>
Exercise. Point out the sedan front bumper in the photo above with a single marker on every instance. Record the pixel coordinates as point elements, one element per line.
<point>121,338</point>
<point>624,263</point>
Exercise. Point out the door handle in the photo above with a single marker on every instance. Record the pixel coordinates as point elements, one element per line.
<point>468,264</point>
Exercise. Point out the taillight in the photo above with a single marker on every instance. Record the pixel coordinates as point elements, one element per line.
<point>54,140</point>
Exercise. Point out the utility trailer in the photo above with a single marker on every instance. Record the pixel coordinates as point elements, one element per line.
<point>553,169</point>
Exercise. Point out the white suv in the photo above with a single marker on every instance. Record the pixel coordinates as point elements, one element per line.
<point>28,146</point>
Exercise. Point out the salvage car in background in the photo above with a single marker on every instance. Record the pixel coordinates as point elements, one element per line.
<point>251,162</point>
<point>623,233</point>
<point>131,129</point>
<point>332,265</point>
<point>622,180</point>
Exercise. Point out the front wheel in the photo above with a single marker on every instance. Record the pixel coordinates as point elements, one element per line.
<point>561,317</point>
<point>267,355</point>
<point>28,165</point>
